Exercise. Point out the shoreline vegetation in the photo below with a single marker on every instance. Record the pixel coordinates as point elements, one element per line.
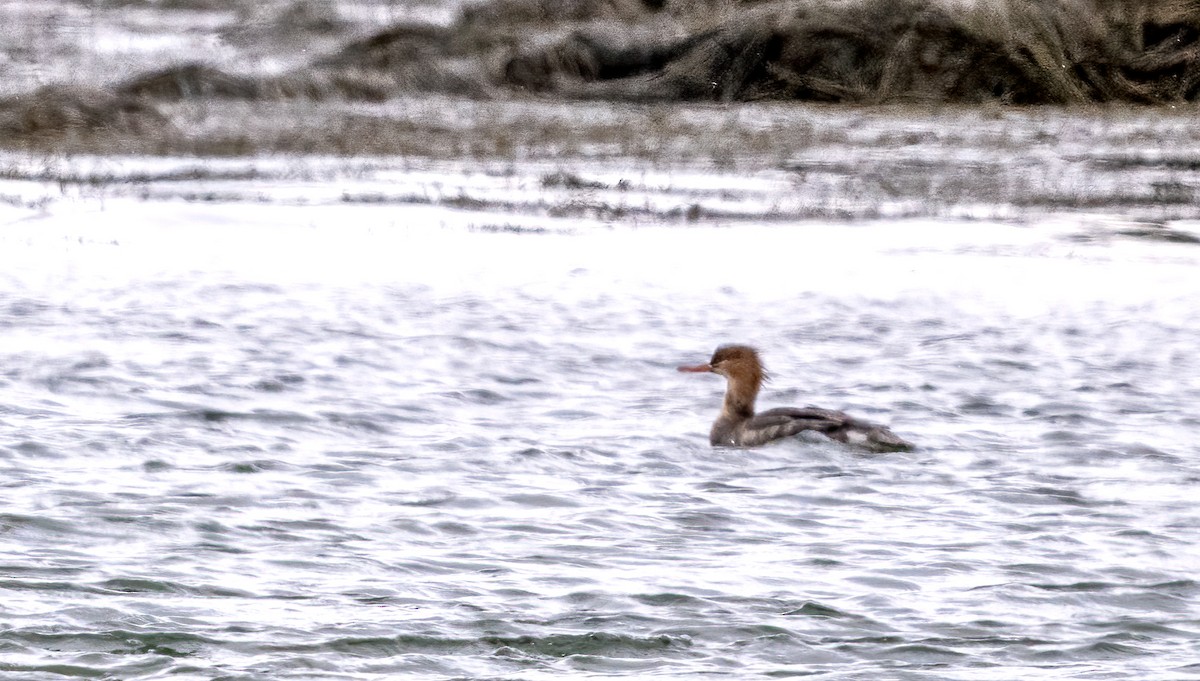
<point>661,58</point>
<point>838,109</point>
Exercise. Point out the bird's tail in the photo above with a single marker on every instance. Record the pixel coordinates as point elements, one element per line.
<point>872,436</point>
<point>883,440</point>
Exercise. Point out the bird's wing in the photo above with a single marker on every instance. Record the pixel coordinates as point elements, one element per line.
<point>774,424</point>
<point>787,421</point>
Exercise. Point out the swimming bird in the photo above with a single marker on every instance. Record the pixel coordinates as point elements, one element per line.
<point>739,426</point>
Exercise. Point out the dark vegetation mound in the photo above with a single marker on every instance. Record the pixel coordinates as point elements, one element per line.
<point>190,81</point>
<point>53,112</point>
<point>859,51</point>
<point>1013,51</point>
<point>197,81</point>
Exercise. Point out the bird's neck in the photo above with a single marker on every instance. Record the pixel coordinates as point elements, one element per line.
<point>740,394</point>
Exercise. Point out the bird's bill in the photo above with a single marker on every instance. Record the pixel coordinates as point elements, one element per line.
<point>697,369</point>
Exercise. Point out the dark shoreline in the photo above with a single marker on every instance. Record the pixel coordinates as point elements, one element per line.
<point>917,54</point>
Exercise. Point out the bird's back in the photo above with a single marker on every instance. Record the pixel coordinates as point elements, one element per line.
<point>782,422</point>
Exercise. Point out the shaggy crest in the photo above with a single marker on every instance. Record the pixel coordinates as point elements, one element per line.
<point>742,359</point>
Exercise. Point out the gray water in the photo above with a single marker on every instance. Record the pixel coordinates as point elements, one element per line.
<point>262,439</point>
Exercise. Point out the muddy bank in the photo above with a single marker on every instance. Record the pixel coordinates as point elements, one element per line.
<point>1019,52</point>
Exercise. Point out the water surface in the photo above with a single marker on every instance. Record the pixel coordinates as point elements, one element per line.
<point>263,438</point>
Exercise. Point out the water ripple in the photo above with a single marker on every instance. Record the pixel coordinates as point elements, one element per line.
<point>485,466</point>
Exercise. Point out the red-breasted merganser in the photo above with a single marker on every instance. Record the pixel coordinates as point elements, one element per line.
<point>739,426</point>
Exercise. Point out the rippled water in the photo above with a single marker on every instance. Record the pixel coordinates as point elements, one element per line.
<point>256,440</point>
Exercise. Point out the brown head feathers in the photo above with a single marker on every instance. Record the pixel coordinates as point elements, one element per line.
<point>741,361</point>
